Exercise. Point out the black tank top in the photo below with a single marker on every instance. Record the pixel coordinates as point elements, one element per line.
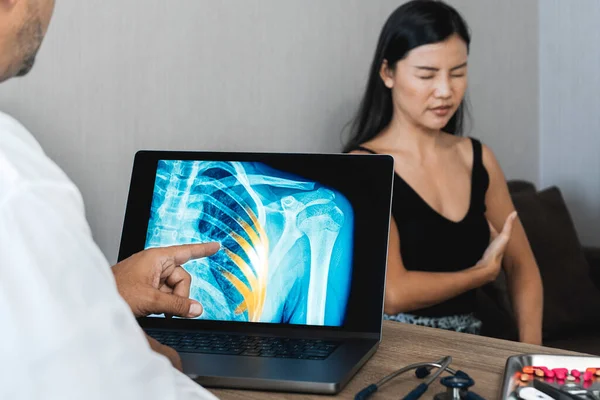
<point>430,242</point>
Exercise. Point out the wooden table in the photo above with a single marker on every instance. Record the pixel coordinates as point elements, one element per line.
<point>482,358</point>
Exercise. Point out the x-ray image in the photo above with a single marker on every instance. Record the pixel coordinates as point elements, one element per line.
<point>286,241</point>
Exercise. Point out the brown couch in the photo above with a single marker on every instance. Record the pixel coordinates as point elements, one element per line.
<point>570,275</point>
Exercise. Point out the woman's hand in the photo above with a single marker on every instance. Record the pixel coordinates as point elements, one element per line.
<point>491,261</point>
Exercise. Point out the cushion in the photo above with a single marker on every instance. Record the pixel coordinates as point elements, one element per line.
<point>571,300</point>
<point>495,311</point>
<point>584,342</point>
<point>519,186</point>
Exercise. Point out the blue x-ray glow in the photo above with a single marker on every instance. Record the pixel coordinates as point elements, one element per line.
<point>286,241</point>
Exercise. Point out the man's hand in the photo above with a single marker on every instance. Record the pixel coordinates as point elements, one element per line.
<point>153,281</point>
<point>166,351</point>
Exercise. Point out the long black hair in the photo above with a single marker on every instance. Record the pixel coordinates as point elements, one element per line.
<point>413,24</point>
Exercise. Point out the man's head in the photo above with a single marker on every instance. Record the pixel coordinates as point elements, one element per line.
<point>23,24</point>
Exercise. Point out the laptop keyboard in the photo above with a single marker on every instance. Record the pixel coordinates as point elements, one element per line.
<point>257,346</point>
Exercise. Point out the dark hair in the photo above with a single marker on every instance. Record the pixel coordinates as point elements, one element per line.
<point>415,23</point>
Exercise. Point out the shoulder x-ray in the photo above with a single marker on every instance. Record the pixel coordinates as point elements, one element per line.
<point>286,241</point>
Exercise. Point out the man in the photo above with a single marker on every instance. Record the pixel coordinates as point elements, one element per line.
<point>67,325</point>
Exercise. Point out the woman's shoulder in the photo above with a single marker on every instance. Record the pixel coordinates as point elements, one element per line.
<point>466,145</point>
<point>361,150</point>
<point>366,148</point>
<point>460,142</point>
<point>463,146</point>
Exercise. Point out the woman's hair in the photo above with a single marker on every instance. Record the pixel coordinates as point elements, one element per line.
<point>415,23</point>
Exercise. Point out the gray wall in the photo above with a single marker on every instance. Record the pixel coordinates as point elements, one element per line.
<point>570,108</point>
<point>115,76</point>
<point>503,80</point>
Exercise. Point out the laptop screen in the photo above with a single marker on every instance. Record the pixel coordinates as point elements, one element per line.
<point>303,236</point>
<point>286,241</point>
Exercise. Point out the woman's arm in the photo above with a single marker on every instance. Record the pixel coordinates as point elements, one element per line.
<point>524,281</point>
<point>412,290</point>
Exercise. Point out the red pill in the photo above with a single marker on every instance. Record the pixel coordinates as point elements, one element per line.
<point>575,373</point>
<point>588,376</point>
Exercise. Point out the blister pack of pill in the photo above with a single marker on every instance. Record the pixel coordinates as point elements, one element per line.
<point>542,377</point>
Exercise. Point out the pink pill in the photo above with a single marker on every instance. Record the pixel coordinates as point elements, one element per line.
<point>588,376</point>
<point>575,373</point>
<point>549,374</point>
<point>560,375</point>
<point>566,371</point>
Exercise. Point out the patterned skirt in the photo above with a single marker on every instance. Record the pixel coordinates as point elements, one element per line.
<point>459,323</point>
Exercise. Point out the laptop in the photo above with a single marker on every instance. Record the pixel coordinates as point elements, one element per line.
<point>293,301</point>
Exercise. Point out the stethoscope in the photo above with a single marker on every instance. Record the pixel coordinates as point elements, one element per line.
<point>457,384</point>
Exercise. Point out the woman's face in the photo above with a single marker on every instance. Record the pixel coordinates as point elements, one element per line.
<point>428,85</point>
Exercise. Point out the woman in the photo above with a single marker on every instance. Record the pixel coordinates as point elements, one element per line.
<point>450,195</point>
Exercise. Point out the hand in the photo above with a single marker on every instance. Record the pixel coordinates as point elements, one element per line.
<point>166,351</point>
<point>491,261</point>
<point>153,281</point>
